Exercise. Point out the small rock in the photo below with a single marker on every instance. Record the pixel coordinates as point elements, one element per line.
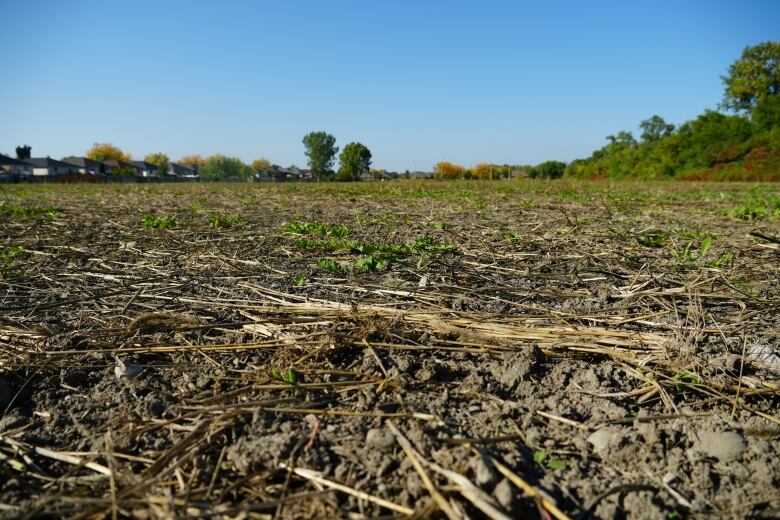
<point>600,439</point>
<point>763,356</point>
<point>5,395</point>
<point>483,471</point>
<point>126,371</point>
<point>724,446</point>
<point>505,495</point>
<point>380,439</point>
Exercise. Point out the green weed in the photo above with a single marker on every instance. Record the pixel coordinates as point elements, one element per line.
<point>306,228</point>
<point>30,212</point>
<point>653,238</point>
<point>218,221</point>
<point>6,257</point>
<point>331,265</point>
<point>153,222</point>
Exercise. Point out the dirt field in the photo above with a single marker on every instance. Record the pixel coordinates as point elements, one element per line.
<point>390,350</point>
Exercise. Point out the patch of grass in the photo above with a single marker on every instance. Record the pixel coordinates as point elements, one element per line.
<point>759,207</point>
<point>330,265</point>
<point>219,221</point>
<point>326,230</point>
<point>30,212</point>
<point>154,222</point>
<point>6,258</point>
<point>540,456</point>
<point>514,239</point>
<point>654,239</point>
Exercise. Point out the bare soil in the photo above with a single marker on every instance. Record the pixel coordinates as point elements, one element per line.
<point>460,350</point>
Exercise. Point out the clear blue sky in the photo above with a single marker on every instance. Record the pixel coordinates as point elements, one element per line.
<point>416,81</point>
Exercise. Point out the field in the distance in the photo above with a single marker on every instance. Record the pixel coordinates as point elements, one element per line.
<point>406,349</point>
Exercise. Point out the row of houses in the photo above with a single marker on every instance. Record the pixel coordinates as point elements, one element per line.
<point>46,167</point>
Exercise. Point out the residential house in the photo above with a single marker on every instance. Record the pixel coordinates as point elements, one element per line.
<point>85,165</point>
<point>14,167</point>
<point>46,166</point>
<point>147,169</point>
<point>182,171</point>
<point>113,166</point>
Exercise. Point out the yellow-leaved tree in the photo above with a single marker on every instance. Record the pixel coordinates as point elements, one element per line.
<point>196,161</point>
<point>261,164</point>
<point>448,170</point>
<point>106,151</point>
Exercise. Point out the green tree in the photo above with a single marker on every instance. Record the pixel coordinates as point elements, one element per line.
<point>23,152</point>
<point>321,150</point>
<point>159,159</point>
<point>549,170</point>
<point>220,168</point>
<point>766,114</point>
<point>654,128</point>
<point>355,160</point>
<point>753,77</point>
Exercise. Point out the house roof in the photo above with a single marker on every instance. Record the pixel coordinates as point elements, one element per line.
<point>145,165</point>
<point>82,162</point>
<point>4,159</point>
<point>114,163</point>
<point>46,162</point>
<point>182,169</point>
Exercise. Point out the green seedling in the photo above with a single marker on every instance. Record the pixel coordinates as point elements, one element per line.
<point>331,265</point>
<point>153,222</point>
<point>541,455</point>
<point>653,239</point>
<point>326,230</point>
<point>300,279</point>
<point>684,379</point>
<point>289,376</point>
<point>6,257</point>
<point>218,221</point>
<point>514,239</point>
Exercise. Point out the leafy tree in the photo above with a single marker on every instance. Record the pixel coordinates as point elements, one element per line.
<point>753,77</point>
<point>622,137</point>
<point>261,164</point>
<point>106,151</point>
<point>448,170</point>
<point>766,114</point>
<point>159,159</point>
<point>482,170</point>
<point>195,161</point>
<point>355,160</point>
<point>219,168</point>
<point>321,150</point>
<point>23,152</point>
<point>655,128</point>
<point>550,170</point>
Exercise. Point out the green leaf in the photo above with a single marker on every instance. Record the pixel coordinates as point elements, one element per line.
<point>556,464</point>
<point>540,455</point>
<point>706,245</point>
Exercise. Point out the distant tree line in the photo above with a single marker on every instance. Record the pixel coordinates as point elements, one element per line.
<point>741,143</point>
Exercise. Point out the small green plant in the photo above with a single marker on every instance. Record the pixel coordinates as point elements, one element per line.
<point>759,207</point>
<point>331,265</point>
<point>218,221</point>
<point>374,262</point>
<point>6,257</point>
<point>684,379</point>
<point>514,239</point>
<point>300,279</point>
<point>326,230</point>
<point>541,455</point>
<point>153,222</point>
<point>289,376</point>
<point>196,208</point>
<point>653,238</point>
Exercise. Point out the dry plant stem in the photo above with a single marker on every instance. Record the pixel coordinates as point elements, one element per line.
<point>314,477</point>
<point>418,467</point>
<point>530,491</point>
